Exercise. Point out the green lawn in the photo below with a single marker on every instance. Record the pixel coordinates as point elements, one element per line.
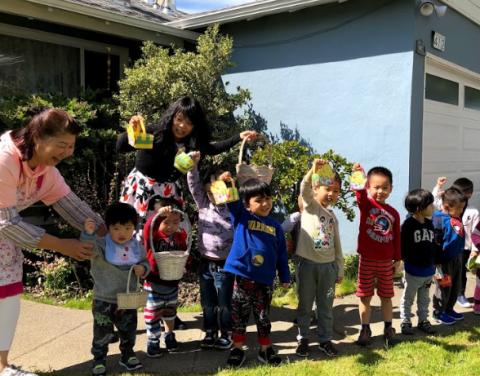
<point>455,354</point>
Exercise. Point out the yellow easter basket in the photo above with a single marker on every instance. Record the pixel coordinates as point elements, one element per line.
<point>222,194</point>
<point>139,140</point>
<point>171,263</point>
<point>246,172</point>
<point>132,300</point>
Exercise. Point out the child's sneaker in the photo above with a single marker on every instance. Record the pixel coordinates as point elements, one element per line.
<point>328,348</point>
<point>364,337</point>
<point>463,302</point>
<point>454,315</point>
<point>269,356</point>
<point>476,309</point>
<point>302,348</point>
<point>170,342</point>
<point>99,367</point>
<point>209,341</point>
<point>426,327</point>
<point>443,318</point>
<point>390,336</point>
<point>236,358</point>
<point>131,364</point>
<point>406,327</point>
<point>224,342</point>
<point>153,348</point>
<point>12,370</point>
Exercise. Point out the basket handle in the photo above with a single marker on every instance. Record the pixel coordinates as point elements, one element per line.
<point>189,235</point>
<point>128,281</point>
<point>240,156</point>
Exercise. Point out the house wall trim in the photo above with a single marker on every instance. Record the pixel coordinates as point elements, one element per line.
<point>433,60</point>
<point>42,36</point>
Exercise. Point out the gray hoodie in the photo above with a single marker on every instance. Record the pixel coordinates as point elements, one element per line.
<point>111,279</point>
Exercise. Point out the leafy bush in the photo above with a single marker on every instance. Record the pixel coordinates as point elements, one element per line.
<point>292,161</point>
<point>350,270</point>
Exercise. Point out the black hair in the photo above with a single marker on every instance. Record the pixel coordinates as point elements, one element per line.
<point>464,185</point>
<point>418,199</point>
<point>201,134</point>
<point>383,171</point>
<point>254,188</point>
<point>452,195</point>
<point>121,213</point>
<point>215,172</point>
<point>163,202</point>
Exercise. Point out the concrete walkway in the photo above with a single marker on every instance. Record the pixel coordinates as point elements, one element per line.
<point>51,338</point>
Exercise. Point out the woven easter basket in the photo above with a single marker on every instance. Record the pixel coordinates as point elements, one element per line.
<point>171,263</point>
<point>246,172</point>
<point>132,300</point>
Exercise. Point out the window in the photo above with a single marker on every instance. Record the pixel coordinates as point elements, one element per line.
<point>441,90</point>
<point>34,66</point>
<point>472,98</point>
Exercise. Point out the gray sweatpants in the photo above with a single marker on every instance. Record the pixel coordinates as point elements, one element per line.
<point>315,281</point>
<point>419,286</point>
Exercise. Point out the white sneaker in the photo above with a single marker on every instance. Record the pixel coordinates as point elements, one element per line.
<point>463,302</point>
<point>12,370</point>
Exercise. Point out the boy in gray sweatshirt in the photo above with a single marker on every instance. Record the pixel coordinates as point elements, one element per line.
<point>113,257</point>
<point>215,238</point>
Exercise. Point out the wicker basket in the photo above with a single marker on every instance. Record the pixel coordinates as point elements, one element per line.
<point>246,172</point>
<point>171,263</point>
<point>132,300</point>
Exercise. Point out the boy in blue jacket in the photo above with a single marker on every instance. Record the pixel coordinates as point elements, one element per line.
<point>450,243</point>
<point>258,251</point>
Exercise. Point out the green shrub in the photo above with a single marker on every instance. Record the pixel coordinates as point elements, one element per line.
<point>351,262</point>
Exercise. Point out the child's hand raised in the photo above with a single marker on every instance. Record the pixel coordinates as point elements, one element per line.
<point>89,226</point>
<point>139,270</point>
<point>165,211</point>
<point>318,163</point>
<point>357,167</point>
<point>195,157</point>
<point>226,176</point>
<point>441,181</point>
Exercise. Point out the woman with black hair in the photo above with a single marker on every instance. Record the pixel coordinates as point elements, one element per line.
<point>182,126</point>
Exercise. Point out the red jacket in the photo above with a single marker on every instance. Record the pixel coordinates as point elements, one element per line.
<point>161,243</point>
<point>379,236</point>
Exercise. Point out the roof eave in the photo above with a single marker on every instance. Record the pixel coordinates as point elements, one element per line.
<point>246,12</point>
<point>118,18</point>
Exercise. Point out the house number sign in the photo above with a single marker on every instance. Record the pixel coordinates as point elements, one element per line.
<point>438,41</point>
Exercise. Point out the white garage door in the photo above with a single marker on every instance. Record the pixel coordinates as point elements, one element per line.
<point>451,126</point>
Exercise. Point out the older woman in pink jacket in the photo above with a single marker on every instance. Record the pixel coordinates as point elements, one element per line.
<point>28,157</point>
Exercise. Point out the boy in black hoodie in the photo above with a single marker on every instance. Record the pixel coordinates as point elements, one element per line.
<point>418,254</point>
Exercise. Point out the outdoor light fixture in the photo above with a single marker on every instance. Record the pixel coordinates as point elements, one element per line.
<point>427,7</point>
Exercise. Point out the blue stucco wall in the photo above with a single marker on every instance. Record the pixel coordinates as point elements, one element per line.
<point>348,89</point>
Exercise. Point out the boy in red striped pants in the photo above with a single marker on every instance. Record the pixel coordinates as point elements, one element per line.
<point>379,250</point>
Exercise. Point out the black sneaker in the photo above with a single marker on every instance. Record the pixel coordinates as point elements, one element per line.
<point>328,348</point>
<point>131,363</point>
<point>236,358</point>
<point>224,342</point>
<point>406,327</point>
<point>99,367</point>
<point>153,348</point>
<point>302,348</point>
<point>269,356</point>
<point>390,337</point>
<point>179,324</point>
<point>209,341</point>
<point>426,327</point>
<point>295,322</point>
<point>170,342</point>
<point>364,337</point>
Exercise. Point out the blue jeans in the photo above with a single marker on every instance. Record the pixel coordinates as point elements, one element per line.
<point>216,289</point>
